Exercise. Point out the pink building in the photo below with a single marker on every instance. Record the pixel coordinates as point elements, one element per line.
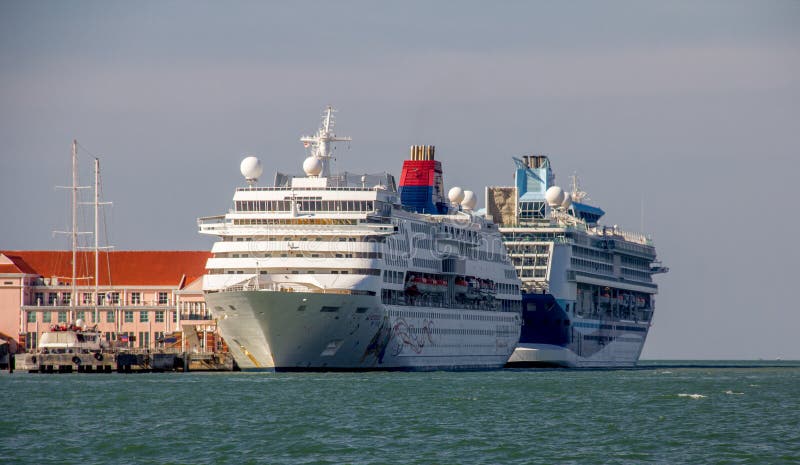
<point>146,299</point>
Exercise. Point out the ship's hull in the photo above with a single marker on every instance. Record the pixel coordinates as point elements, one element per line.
<point>298,331</point>
<point>550,338</point>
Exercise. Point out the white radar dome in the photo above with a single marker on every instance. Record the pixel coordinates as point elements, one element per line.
<point>312,166</point>
<point>79,323</point>
<point>251,168</point>
<point>567,201</point>
<point>554,196</point>
<point>456,195</point>
<point>469,201</point>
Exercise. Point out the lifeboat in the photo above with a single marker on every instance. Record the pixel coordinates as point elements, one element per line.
<point>412,287</point>
<point>461,286</point>
<point>487,287</point>
<point>429,285</point>
<point>473,289</point>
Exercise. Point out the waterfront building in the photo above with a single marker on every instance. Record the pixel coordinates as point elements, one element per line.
<point>141,300</point>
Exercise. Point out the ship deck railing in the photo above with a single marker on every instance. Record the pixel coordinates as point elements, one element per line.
<point>313,188</point>
<point>254,285</point>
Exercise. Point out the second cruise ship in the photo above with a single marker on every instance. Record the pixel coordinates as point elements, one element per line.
<point>348,272</point>
<point>588,291</point>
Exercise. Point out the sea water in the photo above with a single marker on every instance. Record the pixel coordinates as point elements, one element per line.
<point>701,412</point>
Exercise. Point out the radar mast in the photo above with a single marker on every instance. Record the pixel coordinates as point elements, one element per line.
<point>578,195</point>
<point>321,142</point>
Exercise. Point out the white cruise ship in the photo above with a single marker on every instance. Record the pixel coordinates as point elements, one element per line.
<point>348,272</point>
<point>588,291</point>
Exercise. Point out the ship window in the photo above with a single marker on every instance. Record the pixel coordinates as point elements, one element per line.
<point>329,309</point>
<point>362,309</point>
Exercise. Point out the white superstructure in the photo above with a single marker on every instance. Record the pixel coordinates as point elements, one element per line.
<point>325,272</point>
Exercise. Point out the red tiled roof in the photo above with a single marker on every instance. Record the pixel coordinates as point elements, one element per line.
<point>10,268</point>
<point>131,268</point>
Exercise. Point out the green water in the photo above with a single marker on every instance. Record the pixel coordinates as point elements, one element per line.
<point>700,412</point>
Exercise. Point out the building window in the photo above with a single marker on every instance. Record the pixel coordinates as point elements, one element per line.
<point>31,317</point>
<point>128,316</point>
<point>47,317</point>
<point>144,339</point>
<point>66,297</point>
<point>80,315</point>
<point>62,317</point>
<point>109,316</point>
<point>162,298</point>
<point>38,298</point>
<point>51,298</point>
<point>144,317</point>
<point>87,298</point>
<point>101,298</point>
<point>160,316</point>
<point>136,298</point>
<point>31,340</point>
<point>113,298</point>
<point>174,317</point>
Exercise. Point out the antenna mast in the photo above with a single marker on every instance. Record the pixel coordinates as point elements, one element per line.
<point>578,195</point>
<point>321,142</point>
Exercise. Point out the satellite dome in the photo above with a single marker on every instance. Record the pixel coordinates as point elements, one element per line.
<point>312,166</point>
<point>554,196</point>
<point>456,194</point>
<point>79,323</point>
<point>567,201</point>
<point>251,168</point>
<point>469,201</point>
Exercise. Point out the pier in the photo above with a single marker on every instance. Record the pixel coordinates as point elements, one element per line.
<point>135,361</point>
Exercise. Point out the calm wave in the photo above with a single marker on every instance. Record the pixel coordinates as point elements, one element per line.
<point>688,412</point>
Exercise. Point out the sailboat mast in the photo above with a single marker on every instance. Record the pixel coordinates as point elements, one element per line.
<point>73,295</point>
<point>96,237</point>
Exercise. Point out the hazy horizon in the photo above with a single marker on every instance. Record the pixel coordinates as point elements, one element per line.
<point>679,117</point>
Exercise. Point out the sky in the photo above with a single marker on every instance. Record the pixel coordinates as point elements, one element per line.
<point>681,119</point>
